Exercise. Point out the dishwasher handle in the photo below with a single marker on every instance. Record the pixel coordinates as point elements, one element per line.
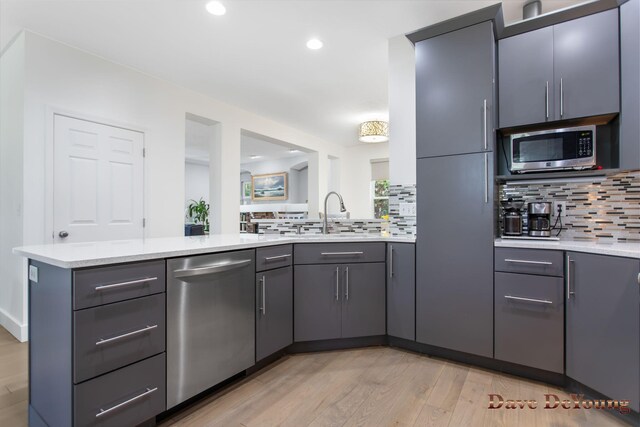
<point>211,269</point>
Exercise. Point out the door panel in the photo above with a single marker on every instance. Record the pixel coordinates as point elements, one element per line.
<point>274,311</point>
<point>401,291</point>
<point>363,300</point>
<point>454,253</point>
<point>317,302</point>
<point>98,181</point>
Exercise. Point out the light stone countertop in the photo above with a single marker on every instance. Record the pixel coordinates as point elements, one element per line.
<point>78,255</point>
<point>627,250</point>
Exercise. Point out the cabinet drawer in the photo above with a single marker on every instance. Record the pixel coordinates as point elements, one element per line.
<point>332,253</point>
<point>529,261</point>
<point>115,335</point>
<point>529,320</point>
<point>103,285</point>
<point>125,397</point>
<point>273,257</point>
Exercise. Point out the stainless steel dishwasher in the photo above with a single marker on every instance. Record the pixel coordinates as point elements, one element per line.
<point>210,321</point>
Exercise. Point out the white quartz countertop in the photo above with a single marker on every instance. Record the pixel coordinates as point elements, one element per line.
<point>78,255</point>
<point>628,250</point>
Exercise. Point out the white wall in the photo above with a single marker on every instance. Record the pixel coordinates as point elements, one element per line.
<point>196,182</point>
<point>60,78</point>
<point>402,111</point>
<point>355,179</point>
<point>13,294</point>
<point>297,188</point>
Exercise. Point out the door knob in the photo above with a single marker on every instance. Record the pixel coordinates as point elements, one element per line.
<point>63,234</point>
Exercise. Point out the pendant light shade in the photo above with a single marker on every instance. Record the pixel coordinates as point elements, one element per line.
<point>374,131</point>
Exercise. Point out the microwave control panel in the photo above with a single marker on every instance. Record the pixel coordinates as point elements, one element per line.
<point>585,144</point>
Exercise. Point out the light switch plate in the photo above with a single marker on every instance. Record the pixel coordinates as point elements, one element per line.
<point>407,209</point>
<point>33,273</point>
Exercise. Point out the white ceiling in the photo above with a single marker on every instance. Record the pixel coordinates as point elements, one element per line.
<point>255,56</point>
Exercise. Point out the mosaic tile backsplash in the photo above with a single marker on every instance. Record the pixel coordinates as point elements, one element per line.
<point>314,226</point>
<point>400,225</point>
<point>603,208</point>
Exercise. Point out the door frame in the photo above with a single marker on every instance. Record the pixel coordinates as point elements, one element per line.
<point>51,112</point>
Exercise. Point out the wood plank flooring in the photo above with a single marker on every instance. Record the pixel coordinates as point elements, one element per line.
<point>374,386</point>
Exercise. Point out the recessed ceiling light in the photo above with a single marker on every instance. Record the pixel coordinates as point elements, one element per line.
<point>216,8</point>
<point>314,44</point>
<point>254,156</point>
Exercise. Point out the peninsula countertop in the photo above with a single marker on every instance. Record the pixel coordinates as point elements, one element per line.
<point>79,255</point>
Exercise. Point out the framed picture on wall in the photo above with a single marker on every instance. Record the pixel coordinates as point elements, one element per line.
<point>272,186</point>
<point>246,189</point>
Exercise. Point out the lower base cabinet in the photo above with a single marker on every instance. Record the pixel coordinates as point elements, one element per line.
<point>401,291</point>
<point>274,311</point>
<point>339,301</point>
<point>603,324</point>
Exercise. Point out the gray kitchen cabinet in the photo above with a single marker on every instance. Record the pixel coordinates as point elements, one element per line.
<point>525,67</point>
<point>587,66</point>
<point>274,311</point>
<point>603,324</point>
<point>565,71</point>
<point>401,290</point>
<point>363,303</point>
<point>454,253</point>
<point>630,85</point>
<point>455,92</point>
<point>317,302</point>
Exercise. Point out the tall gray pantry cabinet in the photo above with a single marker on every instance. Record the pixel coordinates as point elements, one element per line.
<point>455,92</point>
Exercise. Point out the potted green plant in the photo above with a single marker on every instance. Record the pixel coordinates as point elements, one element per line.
<point>198,213</point>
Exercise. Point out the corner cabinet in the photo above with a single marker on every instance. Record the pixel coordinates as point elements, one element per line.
<point>603,324</point>
<point>455,92</point>
<point>566,71</point>
<point>339,291</point>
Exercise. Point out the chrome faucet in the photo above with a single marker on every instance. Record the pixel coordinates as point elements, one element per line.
<point>325,227</point>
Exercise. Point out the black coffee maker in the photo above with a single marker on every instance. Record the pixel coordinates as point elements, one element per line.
<point>539,219</point>
<point>512,217</point>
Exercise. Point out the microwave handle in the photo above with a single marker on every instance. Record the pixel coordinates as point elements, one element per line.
<point>546,100</point>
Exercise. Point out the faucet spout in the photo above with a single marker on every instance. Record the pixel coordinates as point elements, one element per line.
<point>325,226</point>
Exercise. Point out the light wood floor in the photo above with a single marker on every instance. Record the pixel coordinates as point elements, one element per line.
<point>374,386</point>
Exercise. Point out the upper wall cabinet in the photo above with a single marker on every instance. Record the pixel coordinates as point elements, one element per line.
<point>455,92</point>
<point>566,71</point>
<point>630,84</point>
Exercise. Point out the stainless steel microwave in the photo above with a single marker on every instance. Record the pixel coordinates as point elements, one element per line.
<point>556,149</point>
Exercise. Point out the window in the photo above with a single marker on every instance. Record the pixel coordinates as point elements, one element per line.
<point>380,198</point>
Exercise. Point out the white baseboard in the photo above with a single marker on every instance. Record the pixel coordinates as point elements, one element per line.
<point>15,328</point>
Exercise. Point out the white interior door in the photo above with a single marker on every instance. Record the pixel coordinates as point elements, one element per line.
<point>97,181</point>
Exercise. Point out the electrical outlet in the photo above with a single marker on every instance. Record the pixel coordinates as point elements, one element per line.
<point>407,209</point>
<point>560,204</point>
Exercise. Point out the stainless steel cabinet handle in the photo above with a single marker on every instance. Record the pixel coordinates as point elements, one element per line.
<point>341,253</point>
<point>638,278</point>
<point>546,100</point>
<point>271,258</point>
<point>537,301</point>
<point>337,283</point>
<point>126,402</point>
<point>128,334</point>
<point>486,177</point>
<point>346,292</point>
<point>390,260</point>
<point>569,291</point>
<point>561,98</point>
<point>484,121</point>
<point>523,261</point>
<point>129,283</point>
<point>211,269</point>
<point>264,295</point>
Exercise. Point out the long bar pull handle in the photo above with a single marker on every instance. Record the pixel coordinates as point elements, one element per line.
<point>569,291</point>
<point>390,260</point>
<point>341,253</point>
<point>523,261</point>
<point>546,100</point>
<point>126,402</point>
<point>337,283</point>
<point>346,293</point>
<point>561,97</point>
<point>129,283</point>
<point>484,124</point>
<point>486,177</point>
<point>211,269</point>
<point>538,301</point>
<point>128,334</point>
<point>271,258</point>
<point>264,295</point>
